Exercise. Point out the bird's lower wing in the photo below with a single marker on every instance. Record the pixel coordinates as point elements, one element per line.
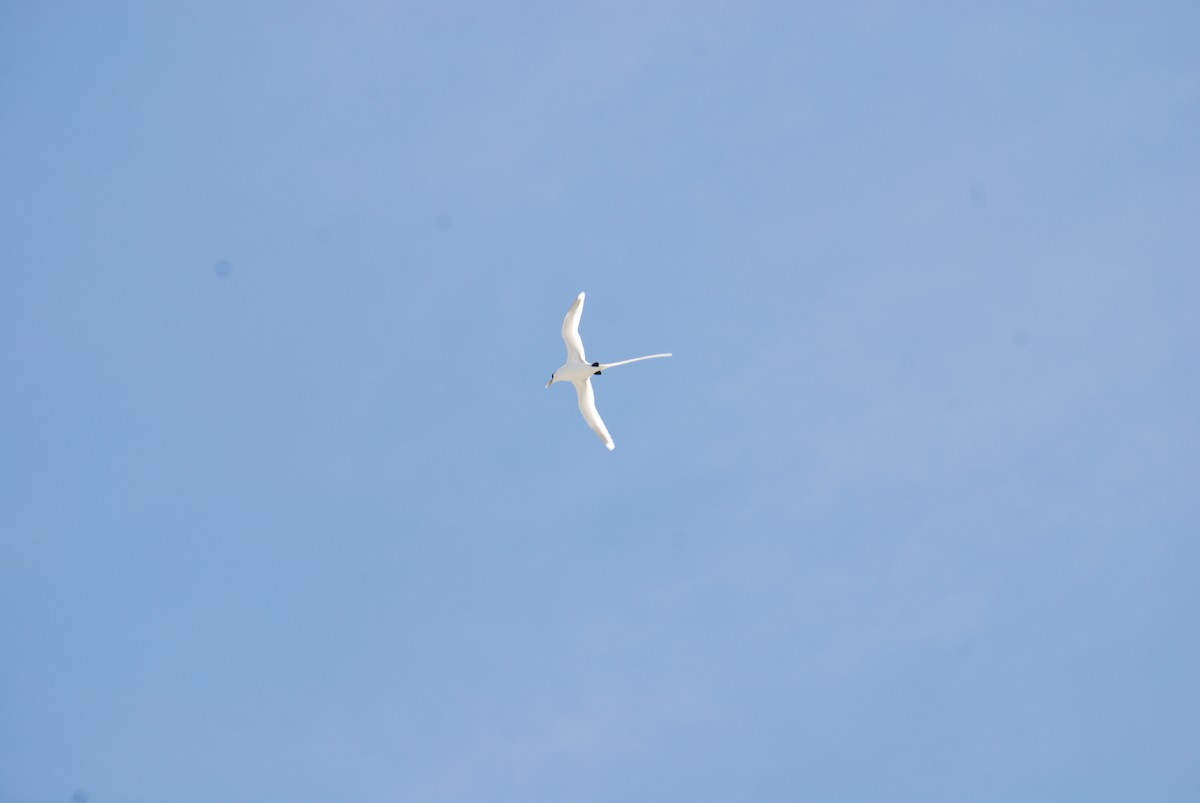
<point>570,331</point>
<point>587,406</point>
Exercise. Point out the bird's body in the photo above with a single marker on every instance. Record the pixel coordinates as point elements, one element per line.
<point>579,372</point>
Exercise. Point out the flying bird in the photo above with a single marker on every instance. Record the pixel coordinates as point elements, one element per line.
<point>579,372</point>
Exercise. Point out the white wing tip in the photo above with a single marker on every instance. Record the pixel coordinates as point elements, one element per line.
<point>610,445</point>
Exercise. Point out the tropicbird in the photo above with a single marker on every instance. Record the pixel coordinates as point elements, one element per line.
<point>579,372</point>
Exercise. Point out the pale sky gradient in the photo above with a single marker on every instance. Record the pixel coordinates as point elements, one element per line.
<point>286,512</point>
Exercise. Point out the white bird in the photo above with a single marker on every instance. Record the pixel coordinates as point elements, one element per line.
<point>579,372</point>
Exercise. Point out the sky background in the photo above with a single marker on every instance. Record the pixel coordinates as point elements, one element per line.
<point>286,512</point>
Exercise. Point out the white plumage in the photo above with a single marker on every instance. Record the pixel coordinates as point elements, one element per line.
<point>579,372</point>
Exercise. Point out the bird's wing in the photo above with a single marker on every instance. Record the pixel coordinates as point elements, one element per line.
<point>587,406</point>
<point>571,331</point>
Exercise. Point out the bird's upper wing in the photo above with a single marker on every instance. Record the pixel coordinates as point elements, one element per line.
<point>587,406</point>
<point>571,332</point>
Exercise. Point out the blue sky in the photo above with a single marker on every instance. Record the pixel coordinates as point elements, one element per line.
<point>287,513</point>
